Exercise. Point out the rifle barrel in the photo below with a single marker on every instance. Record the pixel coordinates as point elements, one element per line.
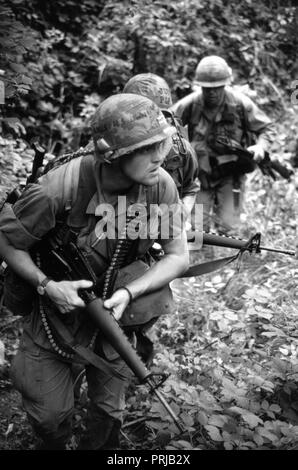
<point>116,337</point>
<point>166,405</point>
<point>277,250</point>
<point>230,242</point>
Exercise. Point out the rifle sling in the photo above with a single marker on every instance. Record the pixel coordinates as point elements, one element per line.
<point>199,269</point>
<point>83,352</point>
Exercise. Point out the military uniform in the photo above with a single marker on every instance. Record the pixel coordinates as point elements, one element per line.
<point>42,376</point>
<point>234,121</point>
<point>182,165</point>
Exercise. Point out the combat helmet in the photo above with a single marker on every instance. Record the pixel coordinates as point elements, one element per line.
<point>125,122</point>
<point>150,85</point>
<point>212,71</point>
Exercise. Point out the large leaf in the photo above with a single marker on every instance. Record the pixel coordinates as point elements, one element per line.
<point>251,419</point>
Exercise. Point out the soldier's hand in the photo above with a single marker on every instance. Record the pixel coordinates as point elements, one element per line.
<point>65,294</point>
<point>118,302</point>
<point>258,152</point>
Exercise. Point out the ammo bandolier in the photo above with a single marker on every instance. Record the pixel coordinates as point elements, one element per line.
<point>124,253</point>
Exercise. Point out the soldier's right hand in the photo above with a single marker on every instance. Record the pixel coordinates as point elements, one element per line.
<point>65,294</point>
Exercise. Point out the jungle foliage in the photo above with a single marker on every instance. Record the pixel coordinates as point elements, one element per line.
<point>231,348</point>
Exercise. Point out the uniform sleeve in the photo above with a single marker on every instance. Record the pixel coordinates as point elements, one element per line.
<point>258,122</point>
<point>34,214</point>
<point>191,184</point>
<point>172,212</point>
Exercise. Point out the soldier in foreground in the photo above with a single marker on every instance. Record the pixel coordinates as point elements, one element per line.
<point>69,205</point>
<point>219,121</point>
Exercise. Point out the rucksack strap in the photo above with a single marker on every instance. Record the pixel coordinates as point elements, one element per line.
<point>83,188</point>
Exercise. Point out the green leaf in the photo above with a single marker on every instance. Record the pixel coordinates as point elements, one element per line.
<point>265,405</point>
<point>18,68</point>
<point>202,418</point>
<point>280,365</point>
<point>267,434</point>
<point>228,445</point>
<point>251,419</point>
<point>181,444</point>
<point>187,419</point>
<point>275,408</point>
<point>214,433</point>
<point>231,390</point>
<point>218,420</point>
<point>258,439</point>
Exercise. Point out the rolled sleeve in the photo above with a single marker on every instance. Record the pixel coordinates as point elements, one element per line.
<point>14,230</point>
<point>32,216</point>
<point>258,122</point>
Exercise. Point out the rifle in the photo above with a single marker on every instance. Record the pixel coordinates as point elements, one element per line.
<point>37,162</point>
<point>12,196</point>
<point>253,244</point>
<point>75,266</point>
<point>267,166</point>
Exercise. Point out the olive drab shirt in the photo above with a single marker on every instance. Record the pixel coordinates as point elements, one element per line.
<point>237,119</point>
<point>67,190</point>
<point>181,163</point>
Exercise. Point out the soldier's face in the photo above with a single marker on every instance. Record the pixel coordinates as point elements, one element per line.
<point>143,165</point>
<point>213,96</point>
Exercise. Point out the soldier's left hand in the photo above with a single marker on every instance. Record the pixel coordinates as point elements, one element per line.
<point>118,303</point>
<point>258,152</point>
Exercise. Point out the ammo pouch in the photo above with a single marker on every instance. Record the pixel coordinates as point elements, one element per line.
<point>148,307</point>
<point>18,295</point>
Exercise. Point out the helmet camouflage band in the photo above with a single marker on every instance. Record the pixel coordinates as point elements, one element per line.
<point>152,86</point>
<point>127,122</point>
<point>213,71</point>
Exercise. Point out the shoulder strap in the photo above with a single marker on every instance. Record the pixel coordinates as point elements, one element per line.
<point>83,189</point>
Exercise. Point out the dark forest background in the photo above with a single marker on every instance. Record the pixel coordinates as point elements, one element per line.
<point>59,59</point>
